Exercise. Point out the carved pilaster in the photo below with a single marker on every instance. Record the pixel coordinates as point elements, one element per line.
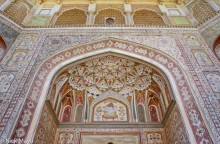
<point>90,18</point>
<point>128,13</point>
<point>129,18</point>
<point>165,18</point>
<point>91,13</point>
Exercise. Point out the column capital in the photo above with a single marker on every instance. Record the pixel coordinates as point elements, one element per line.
<point>91,13</point>
<point>92,1</point>
<point>160,2</point>
<point>128,13</point>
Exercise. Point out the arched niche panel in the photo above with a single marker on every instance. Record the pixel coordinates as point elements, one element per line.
<point>110,110</point>
<point>158,108</point>
<point>66,116</point>
<point>63,97</point>
<point>147,17</point>
<point>72,17</point>
<point>141,113</point>
<point>160,60</point>
<point>109,16</point>
<point>79,114</point>
<point>89,81</point>
<point>153,113</point>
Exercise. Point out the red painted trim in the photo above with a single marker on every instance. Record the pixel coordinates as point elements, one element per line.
<point>2,42</point>
<point>215,45</point>
<point>217,42</point>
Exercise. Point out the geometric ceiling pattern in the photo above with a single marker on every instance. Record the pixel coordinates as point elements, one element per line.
<point>110,73</point>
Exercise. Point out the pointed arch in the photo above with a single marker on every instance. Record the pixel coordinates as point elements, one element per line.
<point>72,17</point>
<point>116,15</point>
<point>147,17</point>
<point>171,68</point>
<point>66,115</point>
<point>79,113</point>
<point>108,104</point>
<point>141,113</point>
<point>202,11</point>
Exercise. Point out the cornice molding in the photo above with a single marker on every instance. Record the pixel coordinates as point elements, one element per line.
<point>111,124</point>
<point>20,27</point>
<point>9,22</point>
<point>212,21</point>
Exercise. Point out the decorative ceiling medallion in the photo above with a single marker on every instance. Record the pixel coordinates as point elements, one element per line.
<point>110,72</point>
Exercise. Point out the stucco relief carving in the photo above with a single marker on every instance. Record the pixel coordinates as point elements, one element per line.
<point>202,58</point>
<point>192,40</point>
<point>6,79</point>
<point>164,43</point>
<point>214,81</point>
<point>145,51</point>
<point>66,138</point>
<point>110,110</point>
<point>153,138</point>
<point>17,58</point>
<point>28,40</point>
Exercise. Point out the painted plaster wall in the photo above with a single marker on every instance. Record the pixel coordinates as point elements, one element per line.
<point>137,136</point>
<point>8,34</point>
<point>47,128</point>
<point>31,48</point>
<point>211,31</point>
<point>174,129</point>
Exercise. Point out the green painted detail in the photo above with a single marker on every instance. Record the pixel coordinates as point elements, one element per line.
<point>180,21</point>
<point>38,21</point>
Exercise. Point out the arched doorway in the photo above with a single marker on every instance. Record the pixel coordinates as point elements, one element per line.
<point>170,68</point>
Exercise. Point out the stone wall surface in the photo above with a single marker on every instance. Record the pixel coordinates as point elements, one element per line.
<point>174,129</point>
<point>184,53</point>
<point>211,31</point>
<point>47,128</point>
<point>8,34</point>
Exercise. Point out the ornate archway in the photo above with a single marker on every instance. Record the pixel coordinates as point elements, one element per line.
<point>29,117</point>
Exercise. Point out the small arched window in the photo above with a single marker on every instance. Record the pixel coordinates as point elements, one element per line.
<point>72,17</point>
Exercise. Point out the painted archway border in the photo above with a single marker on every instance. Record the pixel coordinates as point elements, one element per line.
<point>36,95</point>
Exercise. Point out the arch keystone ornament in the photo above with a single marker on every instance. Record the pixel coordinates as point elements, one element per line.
<point>29,117</point>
